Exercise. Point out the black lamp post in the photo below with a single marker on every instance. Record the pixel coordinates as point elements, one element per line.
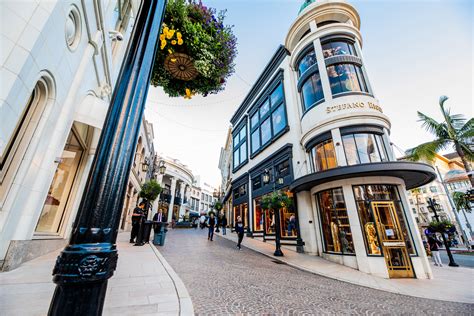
<point>266,180</point>
<point>89,260</point>
<point>434,207</point>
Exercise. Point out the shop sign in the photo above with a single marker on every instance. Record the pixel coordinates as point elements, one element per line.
<point>353,105</point>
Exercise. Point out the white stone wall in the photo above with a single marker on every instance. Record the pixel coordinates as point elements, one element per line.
<point>33,46</point>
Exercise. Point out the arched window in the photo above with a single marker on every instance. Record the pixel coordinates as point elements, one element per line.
<point>17,135</point>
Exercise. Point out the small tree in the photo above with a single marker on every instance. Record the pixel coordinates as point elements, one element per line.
<point>150,190</point>
<point>218,206</point>
<point>461,201</point>
<point>276,201</point>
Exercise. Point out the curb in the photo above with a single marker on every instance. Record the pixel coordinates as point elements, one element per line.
<point>185,302</point>
<point>293,265</point>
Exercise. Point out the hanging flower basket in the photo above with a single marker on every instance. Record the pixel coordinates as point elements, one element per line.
<point>197,51</point>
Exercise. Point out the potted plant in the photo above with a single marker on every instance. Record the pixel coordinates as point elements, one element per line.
<point>197,50</point>
<point>149,191</point>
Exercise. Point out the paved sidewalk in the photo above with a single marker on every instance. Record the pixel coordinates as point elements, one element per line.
<point>449,284</point>
<point>143,284</point>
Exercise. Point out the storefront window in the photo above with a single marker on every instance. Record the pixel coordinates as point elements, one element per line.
<point>364,148</point>
<point>365,195</point>
<point>242,211</point>
<point>312,91</point>
<point>324,156</point>
<point>336,230</point>
<point>54,208</point>
<point>257,215</point>
<point>346,78</point>
<point>287,223</point>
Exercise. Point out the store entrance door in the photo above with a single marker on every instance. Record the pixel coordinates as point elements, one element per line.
<point>393,244</point>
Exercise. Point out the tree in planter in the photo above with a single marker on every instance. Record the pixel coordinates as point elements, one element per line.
<point>275,201</point>
<point>149,192</point>
<point>463,204</point>
<point>454,131</point>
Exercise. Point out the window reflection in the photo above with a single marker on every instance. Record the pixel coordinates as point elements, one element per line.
<point>336,230</point>
<point>338,47</point>
<point>266,130</point>
<point>279,119</point>
<point>312,91</point>
<point>324,156</point>
<point>346,78</point>
<point>307,61</point>
<point>364,148</point>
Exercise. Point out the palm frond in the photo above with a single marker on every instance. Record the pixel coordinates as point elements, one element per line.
<point>467,130</point>
<point>457,121</point>
<point>432,126</point>
<point>468,150</point>
<point>427,151</point>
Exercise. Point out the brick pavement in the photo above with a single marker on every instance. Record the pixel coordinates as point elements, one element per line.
<point>223,280</point>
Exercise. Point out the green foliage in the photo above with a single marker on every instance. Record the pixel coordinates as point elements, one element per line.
<point>455,132</point>
<point>276,201</point>
<point>440,227</point>
<point>205,39</point>
<point>150,190</point>
<point>218,206</point>
<point>461,201</point>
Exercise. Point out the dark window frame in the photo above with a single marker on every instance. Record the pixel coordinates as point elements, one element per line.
<point>236,146</point>
<point>266,98</point>
<point>357,151</point>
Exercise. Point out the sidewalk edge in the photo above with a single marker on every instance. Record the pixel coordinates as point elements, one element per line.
<point>185,302</point>
<point>339,278</point>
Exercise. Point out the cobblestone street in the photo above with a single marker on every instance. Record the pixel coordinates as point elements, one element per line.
<point>223,280</point>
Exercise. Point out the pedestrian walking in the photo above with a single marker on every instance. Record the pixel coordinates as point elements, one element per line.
<point>434,247</point>
<point>136,221</point>
<point>239,229</point>
<point>291,225</point>
<point>212,225</point>
<point>224,224</point>
<point>218,223</point>
<point>202,220</point>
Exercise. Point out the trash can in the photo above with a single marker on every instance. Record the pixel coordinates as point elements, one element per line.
<point>160,233</point>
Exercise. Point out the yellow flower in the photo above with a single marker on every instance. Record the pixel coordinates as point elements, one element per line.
<point>163,44</point>
<point>173,42</point>
<point>178,35</point>
<point>189,94</point>
<point>173,60</point>
<point>170,34</point>
<point>162,37</point>
<point>180,41</point>
<point>170,51</point>
<point>165,30</point>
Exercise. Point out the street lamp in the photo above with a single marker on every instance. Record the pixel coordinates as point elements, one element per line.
<point>435,207</point>
<point>162,167</point>
<point>145,165</point>
<point>83,268</point>
<point>280,181</point>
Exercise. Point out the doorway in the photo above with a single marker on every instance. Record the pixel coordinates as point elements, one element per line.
<point>392,240</point>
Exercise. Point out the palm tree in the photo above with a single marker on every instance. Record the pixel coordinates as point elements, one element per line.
<point>455,131</point>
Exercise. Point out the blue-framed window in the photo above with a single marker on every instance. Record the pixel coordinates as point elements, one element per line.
<point>240,146</point>
<point>309,83</point>
<point>268,120</point>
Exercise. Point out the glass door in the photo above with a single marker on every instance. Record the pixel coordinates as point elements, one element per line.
<point>393,243</point>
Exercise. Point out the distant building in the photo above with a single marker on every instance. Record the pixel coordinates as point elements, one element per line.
<point>312,125</point>
<point>59,64</point>
<point>225,166</point>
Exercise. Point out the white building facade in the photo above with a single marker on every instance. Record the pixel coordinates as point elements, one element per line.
<point>59,61</point>
<point>312,121</point>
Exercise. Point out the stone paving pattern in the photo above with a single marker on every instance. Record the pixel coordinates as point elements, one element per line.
<point>223,280</point>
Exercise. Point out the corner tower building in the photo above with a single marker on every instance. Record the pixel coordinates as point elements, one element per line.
<point>313,122</point>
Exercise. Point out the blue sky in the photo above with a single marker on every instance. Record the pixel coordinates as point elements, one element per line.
<point>414,52</point>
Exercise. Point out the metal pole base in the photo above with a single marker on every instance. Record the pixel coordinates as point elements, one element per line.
<point>78,299</point>
<point>278,253</point>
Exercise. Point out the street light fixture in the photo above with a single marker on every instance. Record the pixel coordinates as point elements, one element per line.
<point>145,165</point>
<point>280,181</point>
<point>435,207</point>
<point>162,167</point>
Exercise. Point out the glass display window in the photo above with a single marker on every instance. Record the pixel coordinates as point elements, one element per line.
<point>364,148</point>
<point>312,91</point>
<point>324,156</point>
<point>365,195</point>
<point>288,225</point>
<point>346,78</point>
<point>258,216</point>
<point>308,60</point>
<point>336,230</point>
<point>338,47</point>
<point>242,211</point>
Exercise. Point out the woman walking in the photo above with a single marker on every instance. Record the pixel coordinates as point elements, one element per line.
<point>434,247</point>
<point>239,229</point>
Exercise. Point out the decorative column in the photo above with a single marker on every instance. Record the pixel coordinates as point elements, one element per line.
<point>83,268</point>
<point>182,191</point>
<point>172,193</point>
